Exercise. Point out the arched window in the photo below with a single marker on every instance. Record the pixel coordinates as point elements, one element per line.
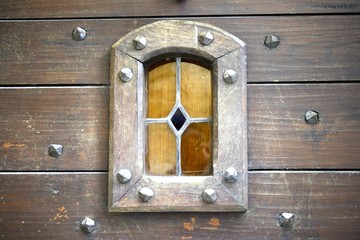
<point>178,120</point>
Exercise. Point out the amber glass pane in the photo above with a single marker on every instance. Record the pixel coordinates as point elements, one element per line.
<point>196,94</point>
<point>196,150</point>
<point>161,150</point>
<point>161,90</point>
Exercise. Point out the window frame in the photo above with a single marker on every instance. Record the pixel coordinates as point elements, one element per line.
<point>127,131</point>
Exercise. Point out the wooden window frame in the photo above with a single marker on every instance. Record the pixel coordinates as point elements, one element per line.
<point>172,38</point>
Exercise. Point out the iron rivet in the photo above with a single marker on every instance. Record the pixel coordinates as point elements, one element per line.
<point>271,41</point>
<point>206,38</point>
<point>231,175</point>
<point>124,175</point>
<point>230,76</point>
<point>79,34</point>
<point>88,225</point>
<point>125,74</point>
<point>140,42</point>
<point>209,195</point>
<point>286,219</point>
<point>146,194</point>
<point>55,150</point>
<point>312,117</point>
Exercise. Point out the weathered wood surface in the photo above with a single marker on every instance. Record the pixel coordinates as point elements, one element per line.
<point>32,118</point>
<point>279,138</point>
<point>13,9</point>
<point>45,206</point>
<point>312,48</point>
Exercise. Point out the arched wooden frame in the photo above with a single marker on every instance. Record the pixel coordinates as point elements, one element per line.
<point>127,126</point>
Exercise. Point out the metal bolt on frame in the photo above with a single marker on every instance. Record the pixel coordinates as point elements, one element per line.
<point>206,38</point>
<point>209,195</point>
<point>126,74</point>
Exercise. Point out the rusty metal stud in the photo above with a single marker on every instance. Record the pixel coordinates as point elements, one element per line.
<point>271,41</point>
<point>230,76</point>
<point>124,175</point>
<point>231,175</point>
<point>312,117</point>
<point>146,194</point>
<point>206,38</point>
<point>79,34</point>
<point>209,195</point>
<point>140,42</point>
<point>55,150</point>
<point>88,225</point>
<point>125,74</point>
<point>286,219</point>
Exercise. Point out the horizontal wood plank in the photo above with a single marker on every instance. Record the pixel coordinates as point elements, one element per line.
<point>312,48</point>
<point>279,137</point>
<point>43,206</point>
<point>15,9</point>
<point>33,118</point>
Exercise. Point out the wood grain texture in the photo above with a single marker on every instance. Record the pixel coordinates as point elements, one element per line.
<point>45,206</point>
<point>280,138</point>
<point>278,135</point>
<point>32,118</point>
<point>312,48</point>
<point>111,8</point>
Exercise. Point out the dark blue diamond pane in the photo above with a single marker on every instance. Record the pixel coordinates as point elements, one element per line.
<point>178,119</point>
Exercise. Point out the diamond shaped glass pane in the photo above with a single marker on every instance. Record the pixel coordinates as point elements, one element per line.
<point>178,119</point>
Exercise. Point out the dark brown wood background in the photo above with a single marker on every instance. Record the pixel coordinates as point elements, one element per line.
<point>56,90</point>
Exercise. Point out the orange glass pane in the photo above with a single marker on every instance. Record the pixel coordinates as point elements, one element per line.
<point>161,90</point>
<point>196,150</point>
<point>161,150</point>
<point>196,90</point>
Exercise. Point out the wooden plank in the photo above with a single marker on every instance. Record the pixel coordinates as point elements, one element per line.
<point>312,48</point>
<point>11,9</point>
<point>32,118</point>
<point>278,138</point>
<point>44,206</point>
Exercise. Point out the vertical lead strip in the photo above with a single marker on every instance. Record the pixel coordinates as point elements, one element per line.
<point>178,100</point>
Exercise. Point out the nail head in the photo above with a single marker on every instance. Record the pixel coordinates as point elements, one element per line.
<point>124,175</point>
<point>88,225</point>
<point>230,76</point>
<point>271,41</point>
<point>209,195</point>
<point>55,150</point>
<point>146,194</point>
<point>286,219</point>
<point>231,175</point>
<point>206,38</point>
<point>126,74</point>
<point>79,34</point>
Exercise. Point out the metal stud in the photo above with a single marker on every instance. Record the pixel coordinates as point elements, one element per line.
<point>230,76</point>
<point>88,225</point>
<point>209,195</point>
<point>140,42</point>
<point>286,219</point>
<point>146,194</point>
<point>124,175</point>
<point>312,117</point>
<point>55,150</point>
<point>125,74</point>
<point>271,41</point>
<point>79,34</point>
<point>206,38</point>
<point>231,175</point>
